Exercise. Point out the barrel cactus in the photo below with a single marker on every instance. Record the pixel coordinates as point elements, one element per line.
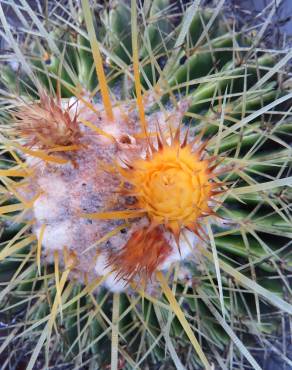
<point>145,177</point>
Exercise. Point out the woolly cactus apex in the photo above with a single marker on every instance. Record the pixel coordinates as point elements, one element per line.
<point>82,204</point>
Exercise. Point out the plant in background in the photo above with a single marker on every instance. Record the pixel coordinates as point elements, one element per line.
<point>145,188</point>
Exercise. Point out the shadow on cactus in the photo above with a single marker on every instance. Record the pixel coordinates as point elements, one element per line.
<point>145,173</point>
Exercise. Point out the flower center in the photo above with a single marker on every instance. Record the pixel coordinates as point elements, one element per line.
<point>172,186</point>
<point>169,191</point>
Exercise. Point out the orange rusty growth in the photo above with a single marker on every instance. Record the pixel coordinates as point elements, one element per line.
<point>141,255</point>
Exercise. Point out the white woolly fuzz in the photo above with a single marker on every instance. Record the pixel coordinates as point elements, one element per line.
<point>111,282</point>
<point>187,241</point>
<point>100,266</point>
<point>56,187</point>
<point>56,236</point>
<point>115,285</point>
<point>45,209</point>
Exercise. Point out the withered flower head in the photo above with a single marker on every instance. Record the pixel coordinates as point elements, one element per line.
<point>47,124</point>
<point>141,255</point>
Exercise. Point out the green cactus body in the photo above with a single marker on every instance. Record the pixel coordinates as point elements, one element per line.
<point>145,192</point>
